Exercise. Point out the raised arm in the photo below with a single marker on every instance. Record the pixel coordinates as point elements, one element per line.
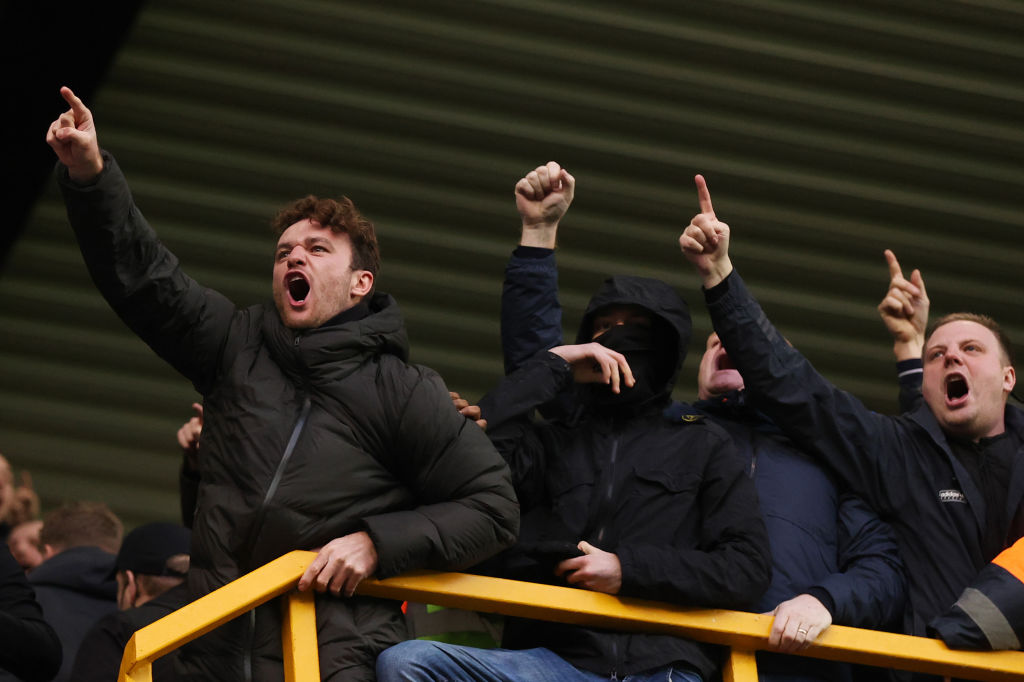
<point>904,311</point>
<point>829,424</point>
<point>531,315</point>
<point>142,281</point>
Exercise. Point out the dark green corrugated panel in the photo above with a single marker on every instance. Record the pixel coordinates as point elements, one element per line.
<point>828,131</point>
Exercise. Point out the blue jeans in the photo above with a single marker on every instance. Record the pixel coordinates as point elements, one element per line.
<point>426,661</point>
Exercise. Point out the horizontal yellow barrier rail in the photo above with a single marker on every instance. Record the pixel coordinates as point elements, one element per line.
<point>743,632</point>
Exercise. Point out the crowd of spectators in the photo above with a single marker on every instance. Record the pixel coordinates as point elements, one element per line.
<point>772,491</point>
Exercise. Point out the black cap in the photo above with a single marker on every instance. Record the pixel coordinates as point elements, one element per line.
<point>146,549</point>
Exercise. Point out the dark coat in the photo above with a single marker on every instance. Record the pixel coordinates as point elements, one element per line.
<point>99,657</point>
<point>308,436</point>
<point>672,500</point>
<point>901,466</point>
<point>30,649</point>
<point>75,588</point>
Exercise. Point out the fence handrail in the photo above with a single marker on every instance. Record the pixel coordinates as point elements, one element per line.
<point>742,631</point>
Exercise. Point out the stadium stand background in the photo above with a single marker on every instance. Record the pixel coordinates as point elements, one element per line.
<point>827,132</point>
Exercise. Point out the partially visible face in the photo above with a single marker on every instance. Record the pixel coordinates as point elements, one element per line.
<point>6,488</point>
<point>617,315</point>
<point>965,381</point>
<point>24,544</point>
<point>716,374</point>
<point>313,275</point>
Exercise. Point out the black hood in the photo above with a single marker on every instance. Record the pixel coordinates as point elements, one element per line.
<point>671,314</point>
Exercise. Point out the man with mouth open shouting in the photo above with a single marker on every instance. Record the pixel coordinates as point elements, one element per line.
<point>948,475</point>
<point>316,433</point>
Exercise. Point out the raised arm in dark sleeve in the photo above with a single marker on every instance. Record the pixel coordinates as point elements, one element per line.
<point>184,323</point>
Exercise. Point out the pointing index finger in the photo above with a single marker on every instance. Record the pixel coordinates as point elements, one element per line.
<point>894,265</point>
<point>77,106</point>
<point>703,195</point>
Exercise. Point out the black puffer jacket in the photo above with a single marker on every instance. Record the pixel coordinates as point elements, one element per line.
<point>671,500</point>
<point>308,436</point>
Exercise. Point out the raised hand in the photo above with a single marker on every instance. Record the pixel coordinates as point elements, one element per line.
<point>904,310</point>
<point>705,241</point>
<point>73,137</point>
<point>542,197</point>
<point>593,363</point>
<point>596,570</point>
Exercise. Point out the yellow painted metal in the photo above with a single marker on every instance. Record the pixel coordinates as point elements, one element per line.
<point>298,638</point>
<point>218,607</point>
<point>741,666</point>
<point>746,631</point>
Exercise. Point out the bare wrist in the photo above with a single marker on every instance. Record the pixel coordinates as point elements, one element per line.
<point>907,350</point>
<point>539,236</point>
<point>717,273</point>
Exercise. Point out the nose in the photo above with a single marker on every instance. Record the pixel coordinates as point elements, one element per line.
<point>296,256</point>
<point>952,357</point>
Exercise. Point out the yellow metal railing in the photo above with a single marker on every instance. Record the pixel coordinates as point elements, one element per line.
<point>744,633</point>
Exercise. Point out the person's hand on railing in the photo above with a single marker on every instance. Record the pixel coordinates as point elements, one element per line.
<point>341,565</point>
<point>596,570</point>
<point>798,622</point>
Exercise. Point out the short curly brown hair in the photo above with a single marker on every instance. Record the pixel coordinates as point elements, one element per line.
<point>341,216</point>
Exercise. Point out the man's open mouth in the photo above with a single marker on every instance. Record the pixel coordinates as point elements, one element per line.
<point>956,388</point>
<point>298,286</point>
<point>724,362</point>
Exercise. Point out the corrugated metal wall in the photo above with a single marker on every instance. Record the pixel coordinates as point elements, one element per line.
<point>827,131</point>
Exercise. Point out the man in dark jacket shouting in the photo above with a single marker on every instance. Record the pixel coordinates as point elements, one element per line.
<point>316,433</point>
<point>948,475</point>
<point>616,498</point>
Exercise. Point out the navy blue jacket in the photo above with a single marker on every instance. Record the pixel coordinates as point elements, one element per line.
<point>901,466</point>
<point>75,588</point>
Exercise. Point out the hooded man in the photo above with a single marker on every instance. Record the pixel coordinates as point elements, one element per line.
<point>616,498</point>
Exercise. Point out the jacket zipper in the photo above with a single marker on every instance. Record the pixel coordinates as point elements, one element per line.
<point>300,424</point>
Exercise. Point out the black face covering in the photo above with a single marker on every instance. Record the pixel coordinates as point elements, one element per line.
<point>638,344</point>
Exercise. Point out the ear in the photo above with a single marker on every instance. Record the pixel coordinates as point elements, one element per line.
<point>362,282</point>
<point>1009,378</point>
<point>48,552</point>
<point>127,590</point>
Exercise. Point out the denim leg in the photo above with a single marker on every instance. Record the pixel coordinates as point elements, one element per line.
<point>427,661</point>
<point>664,675</point>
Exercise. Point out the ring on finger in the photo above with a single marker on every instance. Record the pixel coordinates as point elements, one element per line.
<point>801,631</point>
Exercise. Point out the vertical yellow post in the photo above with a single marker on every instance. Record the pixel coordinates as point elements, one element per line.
<point>298,638</point>
<point>741,666</point>
<point>143,673</point>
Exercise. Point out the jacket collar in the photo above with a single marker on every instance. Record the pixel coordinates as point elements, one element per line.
<point>334,350</point>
